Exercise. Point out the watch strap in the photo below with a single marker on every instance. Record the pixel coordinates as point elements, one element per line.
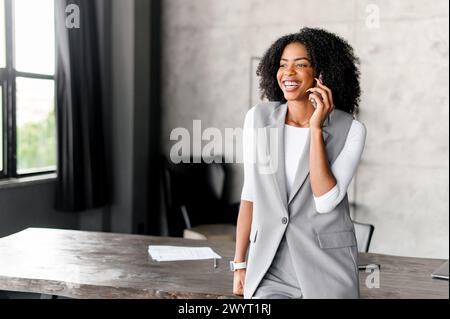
<point>235,266</point>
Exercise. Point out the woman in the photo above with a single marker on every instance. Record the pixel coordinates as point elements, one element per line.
<point>296,213</point>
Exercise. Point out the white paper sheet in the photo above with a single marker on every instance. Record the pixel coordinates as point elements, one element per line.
<point>172,253</point>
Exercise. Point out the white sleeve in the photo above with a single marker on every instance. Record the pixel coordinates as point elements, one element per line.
<point>344,168</point>
<point>247,148</point>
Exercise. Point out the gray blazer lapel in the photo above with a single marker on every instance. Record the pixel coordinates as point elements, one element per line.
<point>303,165</point>
<point>277,120</point>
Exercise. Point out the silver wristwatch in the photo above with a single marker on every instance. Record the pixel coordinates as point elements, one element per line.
<point>235,266</point>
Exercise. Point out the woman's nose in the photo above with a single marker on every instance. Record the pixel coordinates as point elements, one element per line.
<point>289,71</point>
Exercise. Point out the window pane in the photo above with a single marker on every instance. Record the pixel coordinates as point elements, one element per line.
<point>36,132</point>
<point>2,35</point>
<point>34,36</point>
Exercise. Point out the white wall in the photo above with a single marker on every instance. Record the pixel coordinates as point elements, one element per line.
<point>402,183</point>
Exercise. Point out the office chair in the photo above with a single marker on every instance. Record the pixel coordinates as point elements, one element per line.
<point>195,200</point>
<point>363,234</point>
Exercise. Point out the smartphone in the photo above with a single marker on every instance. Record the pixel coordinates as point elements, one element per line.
<point>320,77</point>
<point>321,80</point>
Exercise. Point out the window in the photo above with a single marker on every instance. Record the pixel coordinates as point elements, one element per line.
<point>27,87</point>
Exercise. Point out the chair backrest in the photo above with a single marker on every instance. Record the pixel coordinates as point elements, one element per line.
<point>194,191</point>
<point>363,234</point>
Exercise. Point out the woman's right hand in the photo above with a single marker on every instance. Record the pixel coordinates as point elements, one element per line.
<point>239,282</point>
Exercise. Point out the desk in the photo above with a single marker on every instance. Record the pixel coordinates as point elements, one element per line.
<point>81,264</point>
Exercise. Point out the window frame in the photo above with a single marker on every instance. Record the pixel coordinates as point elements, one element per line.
<point>8,78</point>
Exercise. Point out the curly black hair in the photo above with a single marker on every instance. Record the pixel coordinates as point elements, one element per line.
<point>329,54</point>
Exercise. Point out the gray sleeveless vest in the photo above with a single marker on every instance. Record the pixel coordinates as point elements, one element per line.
<point>322,245</point>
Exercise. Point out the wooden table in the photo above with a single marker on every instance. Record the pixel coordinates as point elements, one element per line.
<point>81,264</point>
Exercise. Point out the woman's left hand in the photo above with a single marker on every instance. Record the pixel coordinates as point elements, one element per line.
<point>323,98</point>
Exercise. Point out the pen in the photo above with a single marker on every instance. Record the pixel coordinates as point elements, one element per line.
<point>215,263</point>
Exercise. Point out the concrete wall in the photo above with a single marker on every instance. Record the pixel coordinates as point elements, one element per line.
<point>402,183</point>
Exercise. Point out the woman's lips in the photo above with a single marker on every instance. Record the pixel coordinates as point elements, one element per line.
<point>290,86</point>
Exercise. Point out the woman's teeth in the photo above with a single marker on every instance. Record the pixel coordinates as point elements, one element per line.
<point>290,85</point>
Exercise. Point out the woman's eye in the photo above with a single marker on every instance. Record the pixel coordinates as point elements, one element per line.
<point>301,65</point>
<point>282,65</point>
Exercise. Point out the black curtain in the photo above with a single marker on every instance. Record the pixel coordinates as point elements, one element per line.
<point>81,180</point>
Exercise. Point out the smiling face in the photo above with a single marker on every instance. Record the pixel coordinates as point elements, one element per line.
<point>295,74</point>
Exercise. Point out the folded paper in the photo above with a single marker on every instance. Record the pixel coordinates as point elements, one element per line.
<point>173,253</point>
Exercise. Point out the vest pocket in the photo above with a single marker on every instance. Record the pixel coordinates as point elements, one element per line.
<point>336,240</point>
